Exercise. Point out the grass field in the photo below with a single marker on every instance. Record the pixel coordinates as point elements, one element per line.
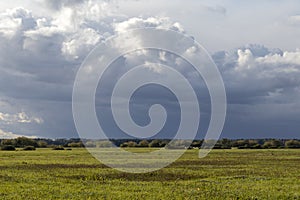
<point>223,174</point>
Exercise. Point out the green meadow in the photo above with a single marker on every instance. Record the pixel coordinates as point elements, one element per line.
<point>223,174</point>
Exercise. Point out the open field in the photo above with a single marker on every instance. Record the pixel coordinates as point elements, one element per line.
<point>223,174</point>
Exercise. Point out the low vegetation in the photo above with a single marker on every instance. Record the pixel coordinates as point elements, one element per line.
<point>223,174</point>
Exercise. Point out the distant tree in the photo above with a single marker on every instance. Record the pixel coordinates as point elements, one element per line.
<point>42,144</point>
<point>90,144</point>
<point>124,145</point>
<point>179,144</point>
<point>143,143</point>
<point>129,144</point>
<point>254,144</point>
<point>196,144</point>
<point>241,144</point>
<point>272,144</point>
<point>210,143</point>
<point>61,142</point>
<point>75,144</point>
<point>5,142</point>
<point>58,148</point>
<point>23,141</point>
<point>104,144</point>
<point>292,144</point>
<point>163,143</point>
<point>154,143</point>
<point>225,143</point>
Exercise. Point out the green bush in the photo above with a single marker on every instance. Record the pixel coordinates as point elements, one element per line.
<point>29,148</point>
<point>8,148</point>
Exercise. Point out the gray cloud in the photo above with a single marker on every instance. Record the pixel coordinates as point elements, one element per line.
<point>263,91</point>
<point>58,4</point>
<point>256,74</point>
<point>294,20</point>
<point>218,9</point>
<point>40,55</point>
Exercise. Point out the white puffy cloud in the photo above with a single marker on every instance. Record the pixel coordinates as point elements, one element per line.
<point>14,20</point>
<point>10,135</point>
<point>21,117</point>
<point>245,59</point>
<point>288,58</point>
<point>154,67</point>
<point>270,65</point>
<point>151,22</point>
<point>256,74</point>
<point>81,43</point>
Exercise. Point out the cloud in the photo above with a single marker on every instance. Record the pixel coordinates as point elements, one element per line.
<point>58,4</point>
<point>21,117</point>
<point>287,58</point>
<point>294,20</point>
<point>151,22</point>
<point>14,20</point>
<point>10,135</point>
<point>256,75</point>
<point>81,43</point>
<point>154,67</point>
<point>217,9</point>
<point>40,55</point>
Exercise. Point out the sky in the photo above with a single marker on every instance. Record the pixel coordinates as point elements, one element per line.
<point>255,45</point>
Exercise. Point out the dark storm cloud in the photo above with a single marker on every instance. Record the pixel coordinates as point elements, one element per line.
<point>39,58</point>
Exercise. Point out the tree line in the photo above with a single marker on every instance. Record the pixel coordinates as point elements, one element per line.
<point>23,142</point>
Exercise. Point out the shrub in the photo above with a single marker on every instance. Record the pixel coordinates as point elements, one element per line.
<point>8,148</point>
<point>29,148</point>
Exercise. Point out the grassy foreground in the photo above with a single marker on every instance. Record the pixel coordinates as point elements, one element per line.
<point>223,174</point>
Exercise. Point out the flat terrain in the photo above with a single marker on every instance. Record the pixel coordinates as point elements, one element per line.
<point>223,174</point>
